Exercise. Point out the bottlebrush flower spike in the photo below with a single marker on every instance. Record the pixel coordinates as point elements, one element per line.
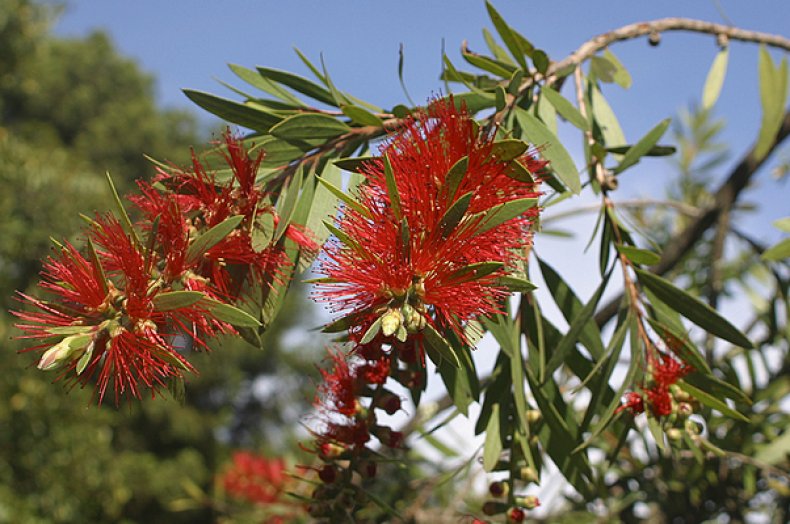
<point>428,243</point>
<point>207,201</point>
<point>105,322</point>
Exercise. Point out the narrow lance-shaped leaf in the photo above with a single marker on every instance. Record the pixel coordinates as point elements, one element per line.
<point>230,314</point>
<point>501,213</point>
<point>493,443</point>
<point>711,401</point>
<point>309,126</point>
<point>350,202</point>
<point>176,299</point>
<point>642,147</point>
<point>437,345</point>
<point>551,149</point>
<point>361,116</point>
<point>715,79</point>
<point>241,114</point>
<point>565,108</point>
<point>773,98</point>
<point>693,309</point>
<point>452,217</point>
<point>454,177</point>
<point>392,188</point>
<point>637,255</point>
<point>507,35</point>
<point>286,209</point>
<point>302,85</point>
<point>211,238</point>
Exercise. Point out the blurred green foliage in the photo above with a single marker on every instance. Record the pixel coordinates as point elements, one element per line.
<point>69,111</point>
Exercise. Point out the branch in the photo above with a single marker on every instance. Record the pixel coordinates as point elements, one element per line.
<point>724,198</point>
<point>653,29</point>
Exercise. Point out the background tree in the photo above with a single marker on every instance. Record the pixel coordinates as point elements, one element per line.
<point>71,109</point>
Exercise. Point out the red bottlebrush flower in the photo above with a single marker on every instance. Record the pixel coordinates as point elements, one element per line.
<point>338,389</point>
<point>667,370</point>
<point>105,321</point>
<point>412,252</point>
<point>262,481</point>
<point>633,402</point>
<point>208,201</point>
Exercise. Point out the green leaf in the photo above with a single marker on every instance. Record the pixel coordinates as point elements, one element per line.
<point>499,93</point>
<point>578,324</point>
<point>711,401</point>
<point>782,224</point>
<point>230,314</point>
<point>773,98</point>
<point>541,61</point>
<point>776,451</point>
<point>508,36</point>
<point>493,443</point>
<point>621,76</point>
<point>262,232</point>
<point>515,284</point>
<point>571,308</point>
<point>679,345</point>
<point>309,125</point>
<point>392,188</point>
<point>264,84</point>
<point>654,151</point>
<point>234,112</point>
<point>350,202</point>
<point>354,164</point>
<point>302,85</point>
<point>606,119</point>
<point>638,256</point>
<point>345,238</point>
<point>496,50</point>
<point>438,348</point>
<point>715,79</point>
<point>211,238</point>
<point>288,201</point>
<point>565,108</point>
<point>171,300</point>
<point>474,271</point>
<point>125,220</point>
<point>361,116</point>
<point>501,213</point>
<point>458,382</point>
<point>693,309</point>
<point>777,252</point>
<point>645,144</point>
<point>509,149</point>
<point>550,148</point>
<point>454,177</point>
<point>517,171</point>
<point>452,217</point>
<point>372,331</point>
<point>281,152</point>
<point>602,69</point>
<point>500,69</point>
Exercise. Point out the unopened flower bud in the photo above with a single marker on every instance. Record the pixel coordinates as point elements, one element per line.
<point>528,474</point>
<point>674,434</point>
<point>494,508</point>
<point>529,502</point>
<point>389,402</point>
<point>685,410</point>
<point>328,474</point>
<point>499,489</point>
<point>391,321</point>
<point>329,450</point>
<point>534,416</point>
<point>654,39</point>
<point>515,515</point>
<point>64,352</point>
